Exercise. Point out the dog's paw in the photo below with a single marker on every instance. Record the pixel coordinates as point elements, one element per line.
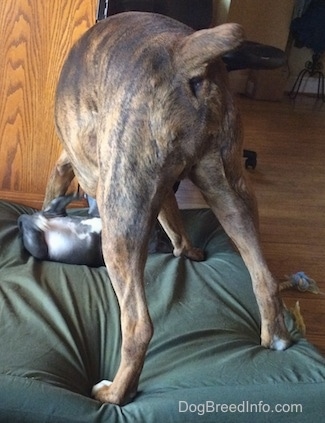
<point>277,343</point>
<point>99,388</point>
<point>105,393</point>
<point>280,344</point>
<point>192,253</point>
<point>195,254</point>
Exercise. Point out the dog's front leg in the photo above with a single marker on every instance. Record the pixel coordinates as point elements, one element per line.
<point>171,220</point>
<point>234,205</point>
<point>59,180</point>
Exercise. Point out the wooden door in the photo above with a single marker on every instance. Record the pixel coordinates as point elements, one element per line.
<point>35,37</point>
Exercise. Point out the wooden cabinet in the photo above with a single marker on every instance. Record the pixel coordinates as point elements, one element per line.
<point>35,38</point>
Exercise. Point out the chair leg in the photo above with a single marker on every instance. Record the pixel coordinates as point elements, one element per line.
<point>296,86</point>
<point>320,90</point>
<point>251,159</point>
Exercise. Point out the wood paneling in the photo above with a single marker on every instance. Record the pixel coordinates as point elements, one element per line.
<point>35,38</point>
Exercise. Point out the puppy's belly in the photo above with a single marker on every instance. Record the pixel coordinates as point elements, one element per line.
<point>60,245</point>
<point>67,247</point>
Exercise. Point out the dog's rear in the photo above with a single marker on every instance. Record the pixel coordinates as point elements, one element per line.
<point>142,102</point>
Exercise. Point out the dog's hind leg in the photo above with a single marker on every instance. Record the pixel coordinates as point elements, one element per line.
<point>171,220</point>
<point>230,198</point>
<point>59,180</point>
<point>127,220</point>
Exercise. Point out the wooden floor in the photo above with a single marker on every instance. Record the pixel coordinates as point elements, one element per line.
<point>289,138</point>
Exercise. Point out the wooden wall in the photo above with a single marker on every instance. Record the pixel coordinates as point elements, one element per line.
<point>35,38</point>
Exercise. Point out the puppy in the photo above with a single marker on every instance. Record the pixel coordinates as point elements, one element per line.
<point>54,235</point>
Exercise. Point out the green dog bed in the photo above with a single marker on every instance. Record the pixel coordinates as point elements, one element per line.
<point>60,335</point>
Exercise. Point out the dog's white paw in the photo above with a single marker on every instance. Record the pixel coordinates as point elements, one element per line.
<point>279,344</point>
<point>99,386</point>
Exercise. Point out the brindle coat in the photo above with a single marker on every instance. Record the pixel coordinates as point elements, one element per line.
<point>142,102</point>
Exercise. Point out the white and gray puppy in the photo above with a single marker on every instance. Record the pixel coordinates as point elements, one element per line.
<point>55,235</point>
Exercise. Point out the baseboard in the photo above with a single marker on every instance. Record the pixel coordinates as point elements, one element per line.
<point>25,198</point>
<point>34,200</point>
<point>308,85</point>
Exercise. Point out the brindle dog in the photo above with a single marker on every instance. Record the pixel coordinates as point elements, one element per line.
<point>142,102</point>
